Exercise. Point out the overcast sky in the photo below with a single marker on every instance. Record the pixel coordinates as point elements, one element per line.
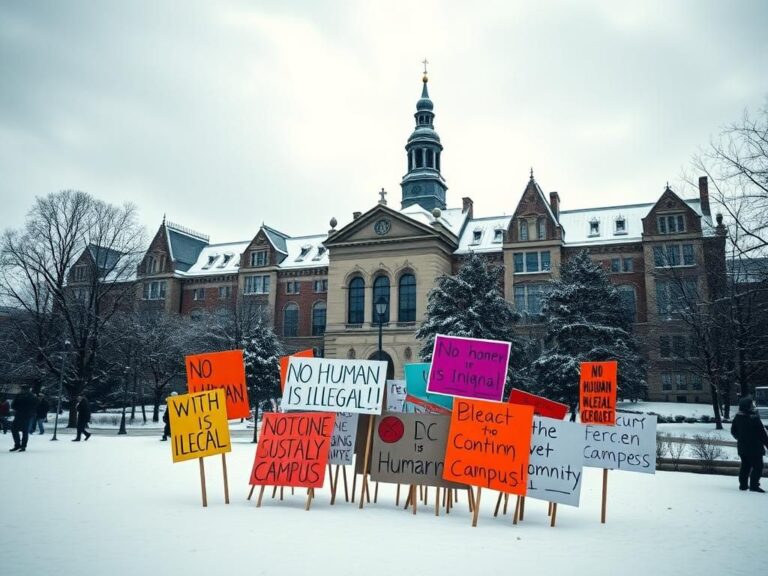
<point>224,115</point>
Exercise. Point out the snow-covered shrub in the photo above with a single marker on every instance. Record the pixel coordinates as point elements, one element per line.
<point>679,418</point>
<point>676,450</point>
<point>662,445</point>
<point>706,449</point>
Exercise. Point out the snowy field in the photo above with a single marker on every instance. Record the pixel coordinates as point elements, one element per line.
<point>118,506</point>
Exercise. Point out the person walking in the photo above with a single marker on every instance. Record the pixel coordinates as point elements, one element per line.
<point>166,419</point>
<point>41,414</point>
<point>83,417</point>
<point>23,407</point>
<point>751,440</point>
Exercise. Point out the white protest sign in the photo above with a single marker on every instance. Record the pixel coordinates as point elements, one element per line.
<point>556,460</point>
<point>327,385</point>
<point>629,445</point>
<point>343,439</point>
<point>395,395</point>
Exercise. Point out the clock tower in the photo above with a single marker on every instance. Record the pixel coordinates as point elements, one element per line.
<point>423,184</point>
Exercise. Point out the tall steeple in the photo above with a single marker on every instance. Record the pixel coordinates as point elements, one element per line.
<point>423,184</point>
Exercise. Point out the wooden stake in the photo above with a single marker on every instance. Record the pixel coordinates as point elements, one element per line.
<point>498,503</point>
<point>371,419</point>
<point>554,514</point>
<point>437,500</point>
<point>426,495</point>
<point>335,484</point>
<point>261,494</point>
<point>376,494</point>
<point>397,495</point>
<point>414,500</point>
<point>344,475</point>
<point>354,483</point>
<point>226,481</point>
<point>251,492</point>
<point>522,508</point>
<point>517,511</point>
<point>408,499</point>
<point>202,483</point>
<point>471,499</point>
<point>281,493</point>
<point>605,495</point>
<point>274,491</point>
<point>310,494</point>
<point>506,501</point>
<point>421,492</point>
<point>549,509</point>
<point>477,507</point>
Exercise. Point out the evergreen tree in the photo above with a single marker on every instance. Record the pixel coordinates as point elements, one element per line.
<point>585,323</point>
<point>471,304</point>
<point>262,351</point>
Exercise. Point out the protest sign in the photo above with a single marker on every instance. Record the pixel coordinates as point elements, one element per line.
<point>541,406</point>
<point>489,445</point>
<point>556,460</point>
<point>199,425</point>
<point>414,405</point>
<point>293,450</point>
<point>326,385</point>
<point>469,368</point>
<point>224,370</point>
<point>597,392</point>
<point>309,353</point>
<point>410,449</point>
<point>396,395</point>
<point>416,379</point>
<point>343,439</point>
<point>629,445</point>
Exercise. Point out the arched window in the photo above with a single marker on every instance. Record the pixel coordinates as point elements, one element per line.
<point>523,230</point>
<point>318,319</point>
<point>291,320</point>
<point>380,289</point>
<point>541,226</point>
<point>356,301</point>
<point>406,311</point>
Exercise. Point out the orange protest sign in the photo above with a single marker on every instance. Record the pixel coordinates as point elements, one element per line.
<point>220,370</point>
<point>293,449</point>
<point>597,392</point>
<point>489,445</point>
<point>284,364</point>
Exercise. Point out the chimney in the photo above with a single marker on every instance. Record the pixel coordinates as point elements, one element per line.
<point>554,203</point>
<point>356,215</point>
<point>467,206</point>
<point>704,194</point>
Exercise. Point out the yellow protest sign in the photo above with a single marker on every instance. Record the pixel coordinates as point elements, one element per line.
<point>199,425</point>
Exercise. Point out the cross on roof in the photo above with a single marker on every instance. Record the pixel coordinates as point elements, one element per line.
<point>383,195</point>
<point>425,62</point>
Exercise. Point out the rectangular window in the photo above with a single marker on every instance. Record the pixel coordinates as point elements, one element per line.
<point>678,346</point>
<point>198,294</point>
<point>675,296</point>
<point>621,226</point>
<point>615,264</point>
<point>532,261</point>
<point>78,273</point>
<point>293,288</point>
<point>671,224</point>
<point>627,265</point>
<point>695,381</point>
<point>688,259</point>
<point>665,349</point>
<point>658,256</point>
<point>224,292</point>
<point>673,255</point>
<point>528,298</point>
<point>594,228</point>
<point>154,290</point>
<point>518,257</point>
<point>320,285</point>
<point>666,382</point>
<point>680,383</point>
<point>256,285</point>
<point>544,260</point>
<point>258,258</point>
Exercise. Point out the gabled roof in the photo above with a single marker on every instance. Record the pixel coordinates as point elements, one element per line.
<point>184,246</point>
<point>104,258</point>
<point>276,238</point>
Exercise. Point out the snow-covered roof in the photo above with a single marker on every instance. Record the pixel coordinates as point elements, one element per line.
<point>483,235</point>
<point>452,218</point>
<point>305,252</point>
<point>218,259</point>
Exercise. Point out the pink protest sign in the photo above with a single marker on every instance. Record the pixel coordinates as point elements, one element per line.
<point>468,368</point>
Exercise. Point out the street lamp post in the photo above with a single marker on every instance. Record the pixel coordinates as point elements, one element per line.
<point>61,385</point>
<point>381,308</point>
<point>125,401</point>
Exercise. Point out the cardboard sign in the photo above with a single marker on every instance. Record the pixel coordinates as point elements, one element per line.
<point>556,461</point>
<point>489,445</point>
<point>309,353</point>
<point>343,439</point>
<point>597,392</point>
<point>469,368</point>
<point>395,395</point>
<point>293,450</point>
<point>416,379</point>
<point>541,405</point>
<point>326,385</point>
<point>224,370</point>
<point>410,449</point>
<point>414,405</point>
<point>199,426</point>
<point>628,445</point>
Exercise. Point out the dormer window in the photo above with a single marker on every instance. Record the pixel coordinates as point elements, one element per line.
<point>477,235</point>
<point>594,227</point>
<point>620,225</point>
<point>225,260</point>
<point>258,258</point>
<point>304,252</point>
<point>320,252</point>
<point>498,235</point>
<point>523,230</point>
<point>211,260</point>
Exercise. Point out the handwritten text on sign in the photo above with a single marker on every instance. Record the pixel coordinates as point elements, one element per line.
<point>555,465</point>
<point>489,444</point>
<point>199,425</point>
<point>328,385</point>
<point>293,450</point>
<point>597,392</point>
<point>396,395</point>
<point>416,379</point>
<point>628,445</point>
<point>224,370</point>
<point>309,353</point>
<point>343,439</point>
<point>469,368</point>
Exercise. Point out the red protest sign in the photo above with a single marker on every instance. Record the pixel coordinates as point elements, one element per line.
<point>220,370</point>
<point>597,392</point>
<point>293,449</point>
<point>541,406</point>
<point>309,353</point>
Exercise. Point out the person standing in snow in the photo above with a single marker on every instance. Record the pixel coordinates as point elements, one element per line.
<point>166,419</point>
<point>23,407</point>
<point>5,411</point>
<point>751,438</point>
<point>83,417</point>
<point>41,415</point>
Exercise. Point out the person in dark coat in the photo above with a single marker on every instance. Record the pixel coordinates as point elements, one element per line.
<point>23,407</point>
<point>166,419</point>
<point>751,440</point>
<point>83,417</point>
<point>40,415</point>
<point>5,411</point>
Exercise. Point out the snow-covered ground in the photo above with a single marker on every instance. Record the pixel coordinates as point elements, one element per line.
<point>672,408</point>
<point>118,506</point>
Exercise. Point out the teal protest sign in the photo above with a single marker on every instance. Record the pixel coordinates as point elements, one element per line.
<point>416,378</point>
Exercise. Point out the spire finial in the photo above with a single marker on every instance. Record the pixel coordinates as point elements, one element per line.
<point>163,217</point>
<point>531,172</point>
<point>383,199</point>
<point>425,62</point>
